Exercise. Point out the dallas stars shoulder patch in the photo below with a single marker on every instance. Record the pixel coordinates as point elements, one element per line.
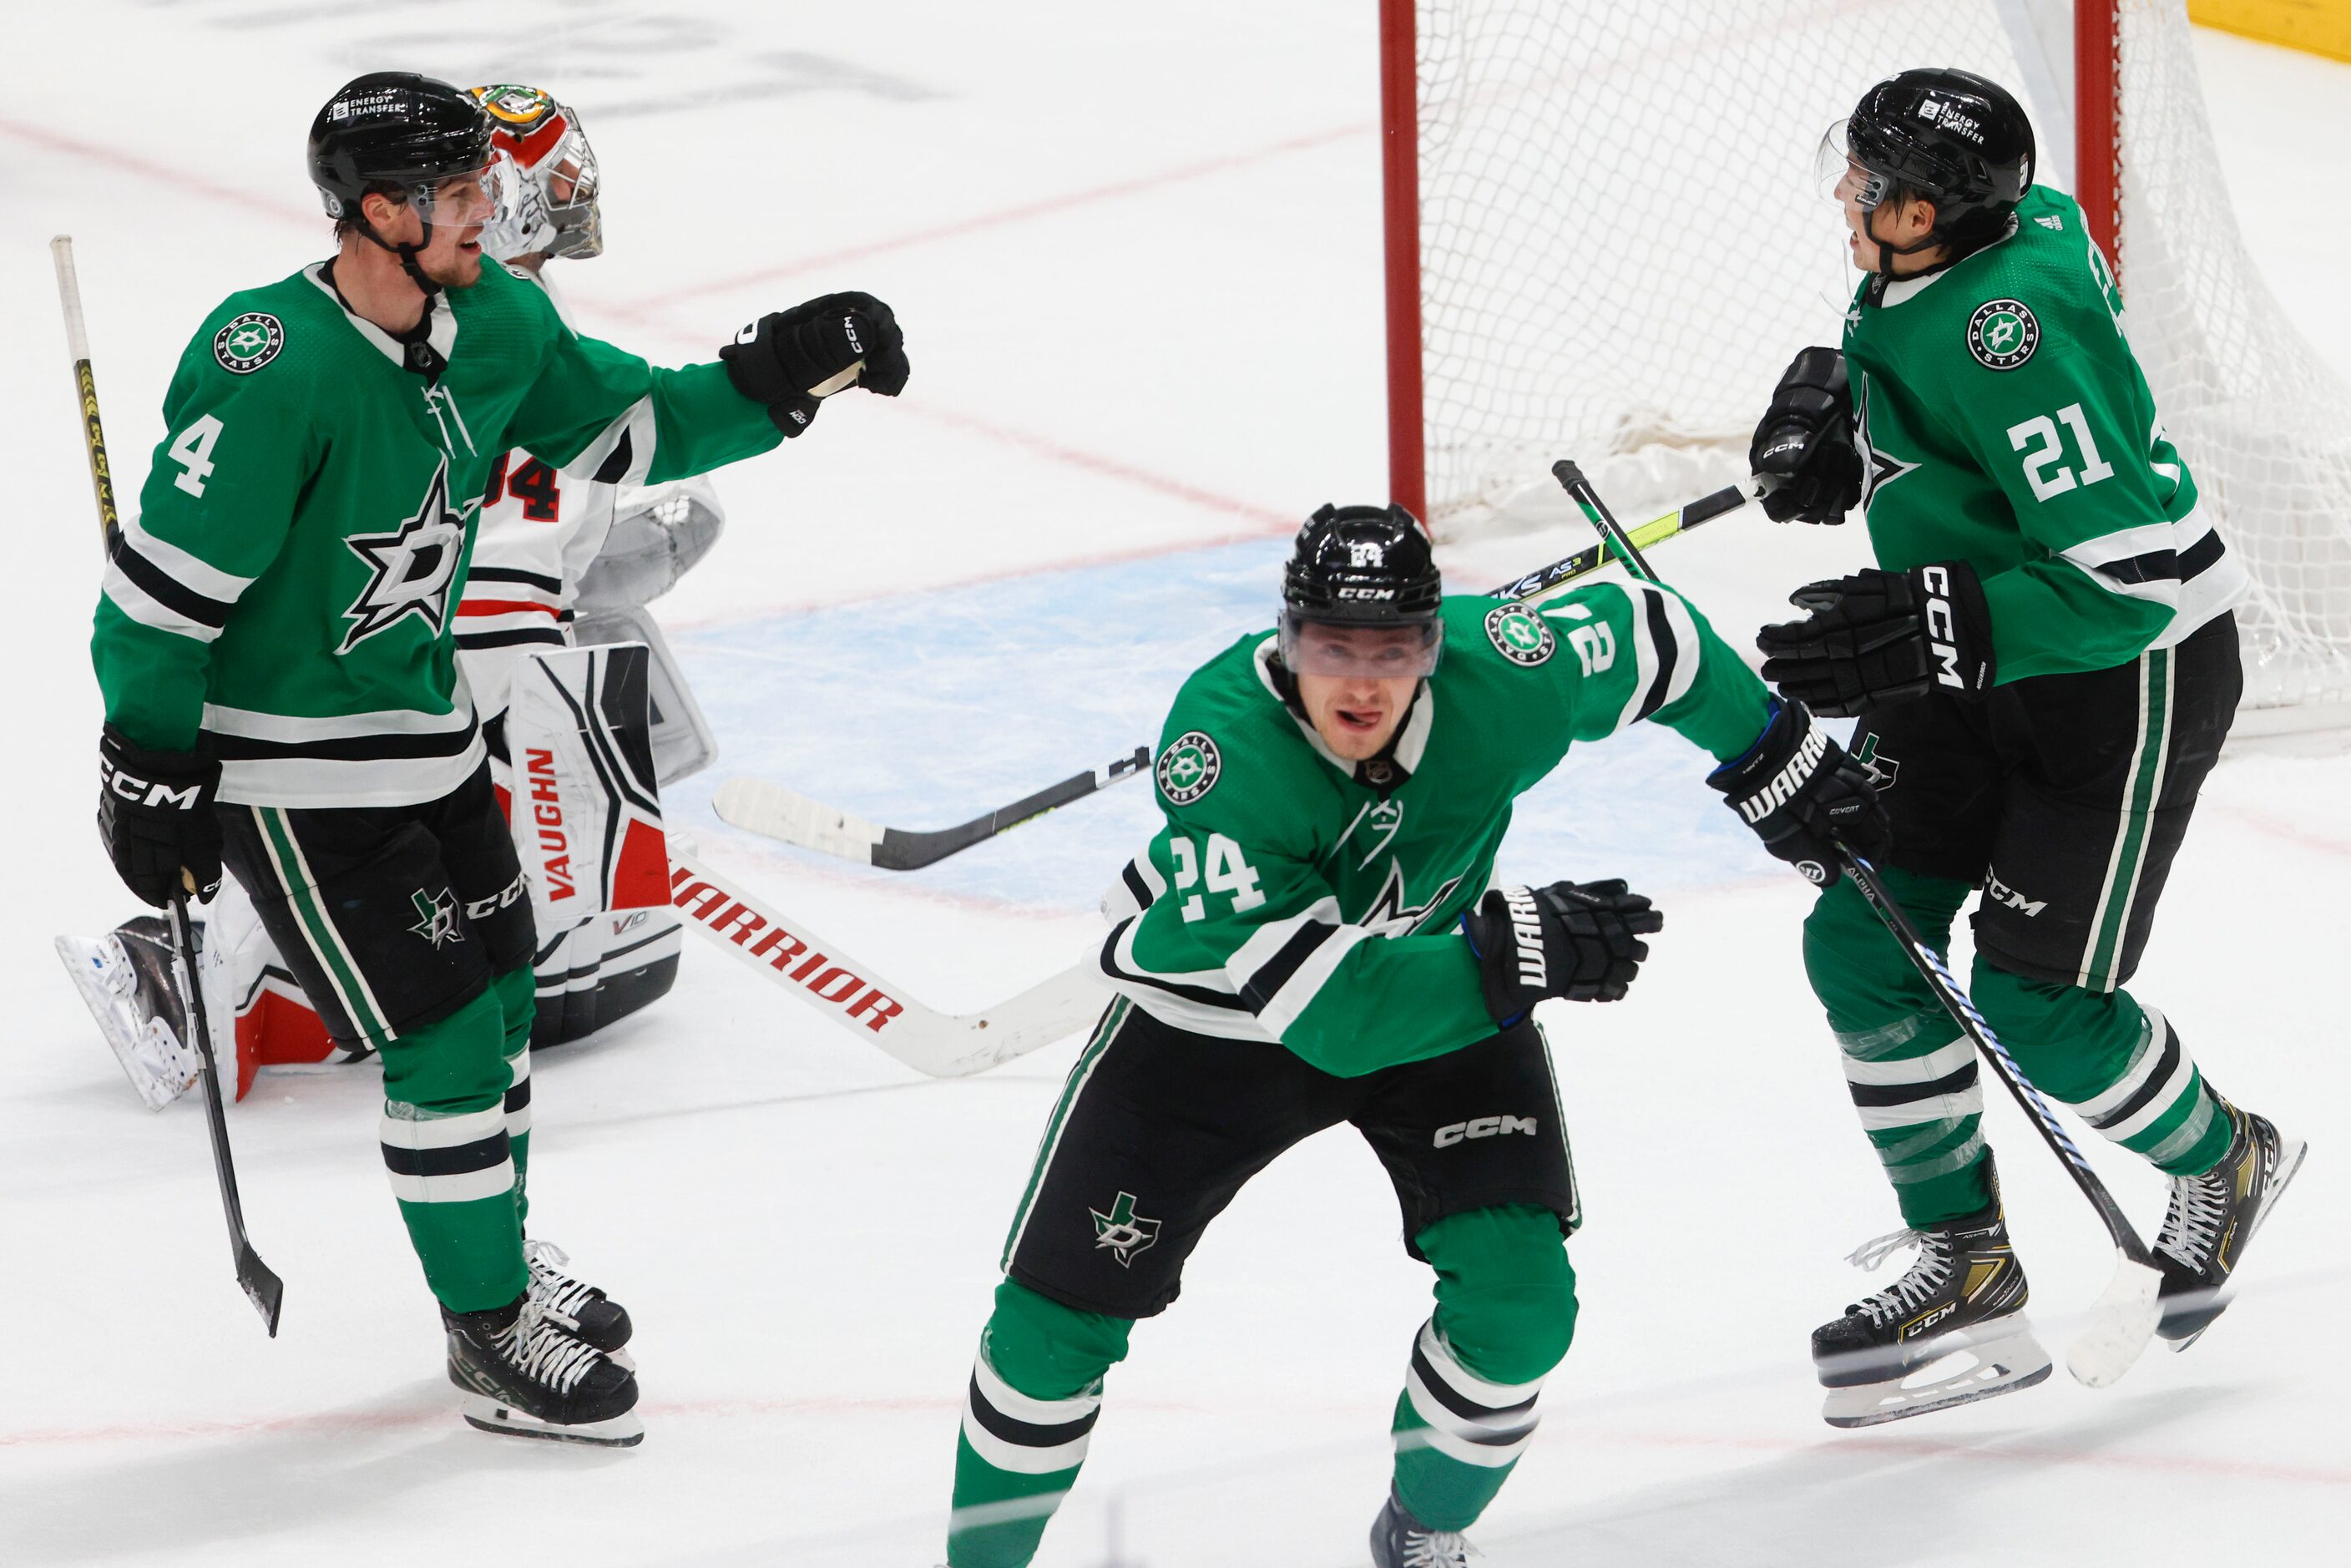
<point>1520,635</point>
<point>249,343</point>
<point>2002,334</point>
<point>1187,770</point>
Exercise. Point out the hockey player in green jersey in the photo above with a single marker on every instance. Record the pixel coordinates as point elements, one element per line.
<point>275,646</point>
<point>2044,666</point>
<point>1312,939</point>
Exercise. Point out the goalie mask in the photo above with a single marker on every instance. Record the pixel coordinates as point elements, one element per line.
<point>552,208</point>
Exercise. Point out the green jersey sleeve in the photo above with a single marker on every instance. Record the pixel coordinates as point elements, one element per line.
<point>601,414</point>
<point>1246,927</point>
<point>219,498</point>
<point>2068,436</point>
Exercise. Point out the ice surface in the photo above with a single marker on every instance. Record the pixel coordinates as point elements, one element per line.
<point>1135,249</point>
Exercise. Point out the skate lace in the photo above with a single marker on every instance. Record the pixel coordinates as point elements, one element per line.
<point>1911,1291</point>
<point>555,1290</point>
<point>2191,1225</point>
<point>1436,1549</point>
<point>543,1352</point>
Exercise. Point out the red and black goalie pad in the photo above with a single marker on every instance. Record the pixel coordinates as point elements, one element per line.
<point>586,802</point>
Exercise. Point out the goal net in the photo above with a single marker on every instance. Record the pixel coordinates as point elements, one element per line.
<point>1604,241</point>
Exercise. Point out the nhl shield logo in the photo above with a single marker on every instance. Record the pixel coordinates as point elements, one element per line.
<point>1187,770</point>
<point>249,343</point>
<point>1520,635</point>
<point>2002,334</point>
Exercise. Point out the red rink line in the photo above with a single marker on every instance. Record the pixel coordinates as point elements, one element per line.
<point>1024,212</point>
<point>177,177</point>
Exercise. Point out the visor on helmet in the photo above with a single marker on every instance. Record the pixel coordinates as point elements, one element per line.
<point>1392,650</point>
<point>1838,174</point>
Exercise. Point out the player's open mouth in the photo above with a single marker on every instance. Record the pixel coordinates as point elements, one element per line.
<point>1358,718</point>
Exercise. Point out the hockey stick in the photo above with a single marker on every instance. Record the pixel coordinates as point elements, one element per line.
<point>261,1285</point>
<point>2124,1316</point>
<point>849,993</point>
<point>770,809</point>
<point>262,1288</point>
<point>773,811</point>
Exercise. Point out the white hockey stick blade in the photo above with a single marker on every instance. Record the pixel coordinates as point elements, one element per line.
<point>2121,1323</point>
<point>773,811</point>
<point>853,995</point>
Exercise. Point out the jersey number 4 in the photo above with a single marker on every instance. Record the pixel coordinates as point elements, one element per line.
<point>2044,452</point>
<point>192,449</point>
<point>1229,872</point>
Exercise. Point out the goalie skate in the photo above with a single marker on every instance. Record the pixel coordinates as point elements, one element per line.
<point>129,980</point>
<point>1895,1353</point>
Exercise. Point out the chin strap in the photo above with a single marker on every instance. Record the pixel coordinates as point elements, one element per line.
<point>407,255</point>
<point>1958,251</point>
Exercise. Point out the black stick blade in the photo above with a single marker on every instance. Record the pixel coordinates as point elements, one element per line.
<point>262,1287</point>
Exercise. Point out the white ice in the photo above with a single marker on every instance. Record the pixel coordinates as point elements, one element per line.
<point>1135,250</point>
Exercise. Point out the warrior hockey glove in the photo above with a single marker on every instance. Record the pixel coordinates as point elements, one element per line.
<point>155,815</point>
<point>1803,794</point>
<point>1583,943</point>
<point>1802,455</point>
<point>1880,637</point>
<point>789,360</point>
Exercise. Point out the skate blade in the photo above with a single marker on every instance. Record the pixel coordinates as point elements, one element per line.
<point>1997,1366</point>
<point>2291,1152</point>
<point>142,1051</point>
<point>487,1415</point>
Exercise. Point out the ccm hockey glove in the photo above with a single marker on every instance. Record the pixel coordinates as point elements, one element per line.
<point>1802,455</point>
<point>789,360</point>
<point>1803,794</point>
<point>1581,941</point>
<point>155,815</point>
<point>1880,637</point>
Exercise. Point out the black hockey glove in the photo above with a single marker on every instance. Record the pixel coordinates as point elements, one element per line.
<point>1802,455</point>
<point>1581,941</point>
<point>1803,794</point>
<point>789,360</point>
<point>155,815</point>
<point>1880,637</point>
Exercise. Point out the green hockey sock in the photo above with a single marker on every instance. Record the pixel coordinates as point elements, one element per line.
<point>1035,1392</point>
<point>1913,1076</point>
<point>446,1147</point>
<point>1505,1315</point>
<point>2121,1065</point>
<point>516,1005</point>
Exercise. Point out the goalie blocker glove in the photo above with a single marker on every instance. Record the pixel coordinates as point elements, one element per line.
<point>1804,794</point>
<point>1880,637</point>
<point>789,361</point>
<point>1580,942</point>
<point>155,815</point>
<point>1802,456</point>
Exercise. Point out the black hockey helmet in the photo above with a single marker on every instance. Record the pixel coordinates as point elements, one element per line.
<point>1958,139</point>
<point>1363,566</point>
<point>401,134</point>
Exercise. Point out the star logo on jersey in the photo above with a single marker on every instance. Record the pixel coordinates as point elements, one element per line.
<point>1389,916</point>
<point>436,916</point>
<point>1520,635</point>
<point>249,343</point>
<point>1123,1232</point>
<point>1188,767</point>
<point>1381,824</point>
<point>412,567</point>
<point>1880,468</point>
<point>2002,334</point>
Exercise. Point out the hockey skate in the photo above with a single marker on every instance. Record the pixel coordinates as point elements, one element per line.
<point>2211,1220</point>
<point>1400,1541</point>
<point>1963,1297</point>
<point>524,1375</point>
<point>576,1307</point>
<point>129,978</point>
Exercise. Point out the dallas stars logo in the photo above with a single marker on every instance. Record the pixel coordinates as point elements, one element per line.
<point>1388,915</point>
<point>2002,334</point>
<point>1882,769</point>
<point>413,566</point>
<point>1123,1232</point>
<point>1187,770</point>
<point>249,343</point>
<point>436,916</point>
<point>1519,635</point>
<point>1878,469</point>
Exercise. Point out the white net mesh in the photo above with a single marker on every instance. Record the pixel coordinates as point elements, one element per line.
<point>1622,246</point>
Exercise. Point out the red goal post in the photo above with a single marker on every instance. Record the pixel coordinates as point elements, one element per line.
<point>1552,173</point>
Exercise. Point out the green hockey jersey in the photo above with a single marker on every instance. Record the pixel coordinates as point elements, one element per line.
<point>2003,420</point>
<point>1297,898</point>
<point>288,588</point>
